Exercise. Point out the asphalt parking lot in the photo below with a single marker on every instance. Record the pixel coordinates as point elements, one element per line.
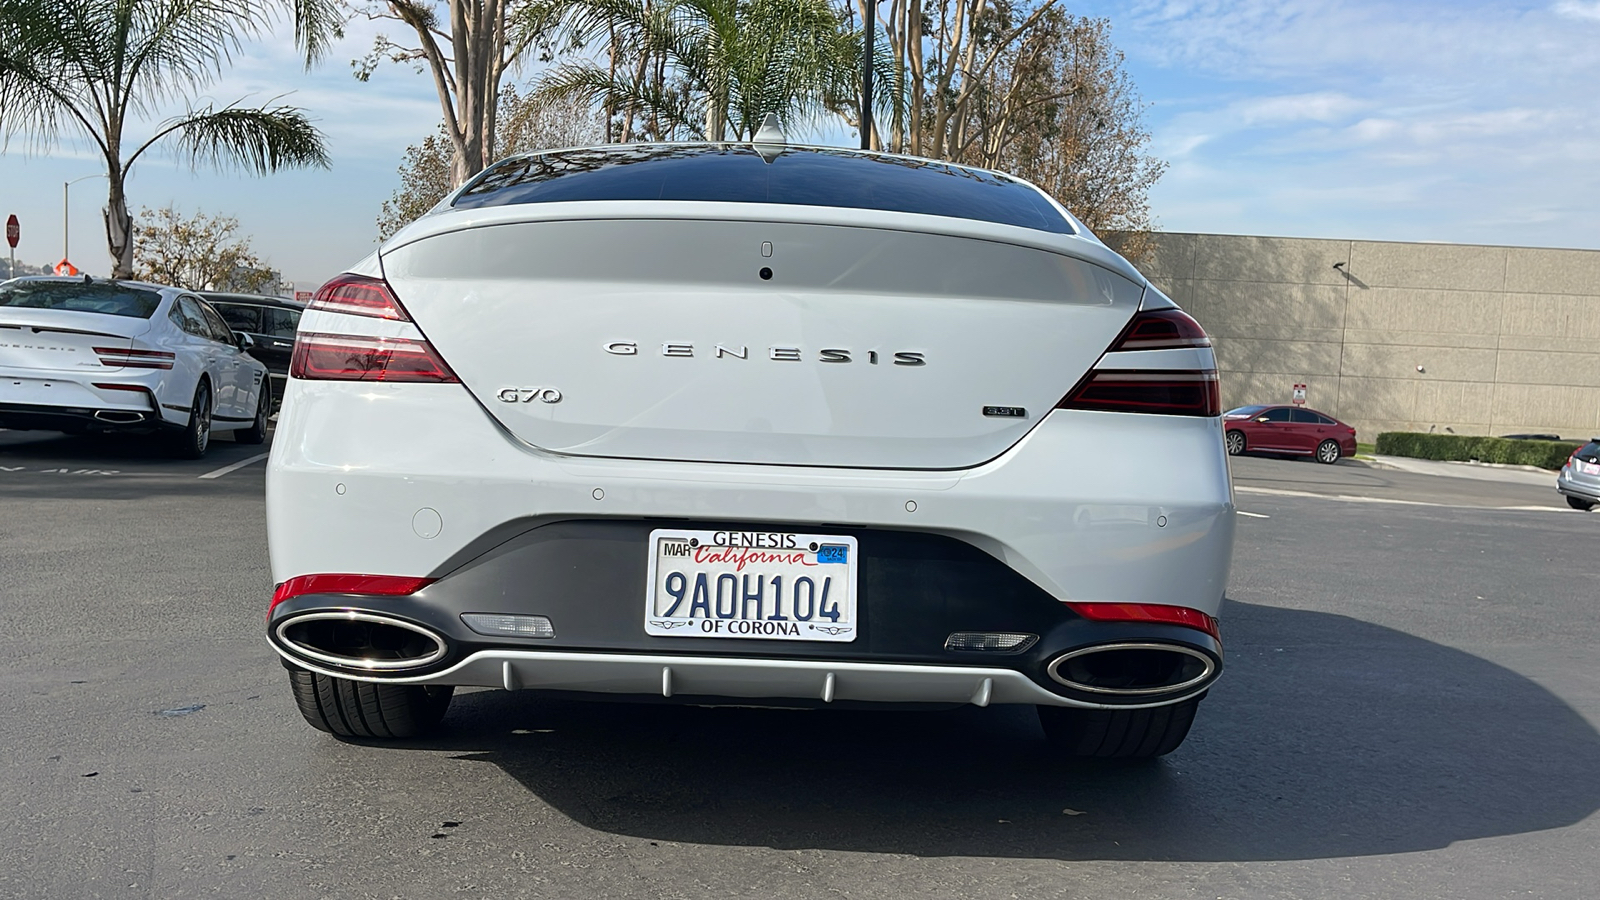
<point>1409,711</point>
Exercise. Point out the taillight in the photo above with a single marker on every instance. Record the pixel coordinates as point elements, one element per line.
<point>1148,612</point>
<point>348,357</point>
<point>1171,392</point>
<point>379,585</point>
<point>354,357</point>
<point>135,359</point>
<point>359,295</point>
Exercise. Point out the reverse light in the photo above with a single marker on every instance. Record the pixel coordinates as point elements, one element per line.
<point>1148,612</point>
<point>359,295</point>
<point>991,641</point>
<point>346,357</point>
<point>371,585</point>
<point>503,625</point>
<point>1171,392</point>
<point>135,359</point>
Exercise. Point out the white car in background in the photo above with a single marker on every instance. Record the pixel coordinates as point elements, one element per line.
<point>85,355</point>
<point>751,423</point>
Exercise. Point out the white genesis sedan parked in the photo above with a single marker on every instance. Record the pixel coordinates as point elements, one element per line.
<point>85,355</point>
<point>751,423</point>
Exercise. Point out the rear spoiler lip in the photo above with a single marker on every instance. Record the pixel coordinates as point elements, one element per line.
<point>1080,247</point>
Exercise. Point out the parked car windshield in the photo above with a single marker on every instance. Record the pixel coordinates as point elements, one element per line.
<point>77,296</point>
<point>736,173</point>
<point>1244,411</point>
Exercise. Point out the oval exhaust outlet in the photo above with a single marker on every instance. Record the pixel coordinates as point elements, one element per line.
<point>1132,669</point>
<point>369,642</point>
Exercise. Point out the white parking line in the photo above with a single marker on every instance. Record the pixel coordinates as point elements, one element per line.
<point>1349,498</point>
<point>235,467</point>
<point>1250,514</point>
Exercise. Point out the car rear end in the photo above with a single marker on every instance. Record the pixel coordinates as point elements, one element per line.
<point>74,356</point>
<point>794,453</point>
<point>1579,478</point>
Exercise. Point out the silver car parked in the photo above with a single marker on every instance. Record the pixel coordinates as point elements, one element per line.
<point>1579,480</point>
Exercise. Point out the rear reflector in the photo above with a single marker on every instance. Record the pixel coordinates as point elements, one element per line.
<point>135,359</point>
<point>342,357</point>
<point>1148,612</point>
<point>1171,393</point>
<point>372,585</point>
<point>359,295</point>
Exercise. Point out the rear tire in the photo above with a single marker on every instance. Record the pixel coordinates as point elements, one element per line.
<point>1118,733</point>
<point>1576,503</point>
<point>1235,442</point>
<point>1328,452</point>
<point>257,432</point>
<point>359,710</point>
<point>195,438</point>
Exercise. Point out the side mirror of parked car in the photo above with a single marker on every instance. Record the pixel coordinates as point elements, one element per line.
<point>245,341</point>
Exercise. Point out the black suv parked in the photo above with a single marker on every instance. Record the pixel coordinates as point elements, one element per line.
<point>271,321</point>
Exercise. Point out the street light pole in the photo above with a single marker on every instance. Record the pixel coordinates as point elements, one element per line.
<point>66,211</point>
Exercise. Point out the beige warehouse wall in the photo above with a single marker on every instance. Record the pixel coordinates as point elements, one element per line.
<point>1508,338</point>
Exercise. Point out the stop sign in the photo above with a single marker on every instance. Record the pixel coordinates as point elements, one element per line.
<point>13,231</point>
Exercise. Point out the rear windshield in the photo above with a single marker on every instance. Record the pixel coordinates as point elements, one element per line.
<point>77,296</point>
<point>1589,452</point>
<point>735,173</point>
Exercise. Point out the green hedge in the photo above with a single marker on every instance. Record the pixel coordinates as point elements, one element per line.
<point>1544,454</point>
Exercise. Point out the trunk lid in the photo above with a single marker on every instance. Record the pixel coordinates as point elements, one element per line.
<point>661,339</point>
<point>63,340</point>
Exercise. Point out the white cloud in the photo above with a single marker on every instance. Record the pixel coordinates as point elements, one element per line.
<point>1577,9</point>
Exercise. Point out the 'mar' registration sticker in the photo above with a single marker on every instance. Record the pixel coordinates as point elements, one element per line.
<point>751,584</point>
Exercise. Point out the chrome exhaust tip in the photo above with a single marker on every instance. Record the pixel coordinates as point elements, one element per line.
<point>118,416</point>
<point>365,642</point>
<point>1133,669</point>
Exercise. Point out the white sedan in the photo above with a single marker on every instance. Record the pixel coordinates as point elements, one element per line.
<point>87,355</point>
<point>751,423</point>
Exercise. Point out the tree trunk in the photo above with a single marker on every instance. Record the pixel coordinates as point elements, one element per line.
<point>119,226</point>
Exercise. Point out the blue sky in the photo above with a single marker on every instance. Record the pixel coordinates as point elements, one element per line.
<point>1465,121</point>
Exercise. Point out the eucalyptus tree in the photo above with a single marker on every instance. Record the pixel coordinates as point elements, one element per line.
<point>704,68</point>
<point>90,68</point>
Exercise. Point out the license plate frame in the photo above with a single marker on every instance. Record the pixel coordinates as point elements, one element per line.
<point>689,576</point>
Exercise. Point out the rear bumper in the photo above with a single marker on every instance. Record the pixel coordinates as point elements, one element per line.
<point>588,579</point>
<point>1572,487</point>
<point>79,419</point>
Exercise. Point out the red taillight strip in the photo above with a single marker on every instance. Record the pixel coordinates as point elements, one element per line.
<point>1148,612</point>
<point>135,359</point>
<point>345,357</point>
<point>359,295</point>
<point>372,585</point>
<point>1161,329</point>
<point>1173,393</point>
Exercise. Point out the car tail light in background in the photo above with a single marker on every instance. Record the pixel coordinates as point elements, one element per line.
<point>359,295</point>
<point>135,359</point>
<point>347,357</point>
<point>379,585</point>
<point>354,357</point>
<point>1172,392</point>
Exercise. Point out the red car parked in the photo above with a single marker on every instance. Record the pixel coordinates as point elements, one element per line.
<point>1288,429</point>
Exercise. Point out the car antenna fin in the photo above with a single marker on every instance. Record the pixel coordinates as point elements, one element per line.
<point>770,141</point>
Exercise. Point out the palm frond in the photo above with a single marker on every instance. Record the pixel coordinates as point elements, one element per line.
<point>260,141</point>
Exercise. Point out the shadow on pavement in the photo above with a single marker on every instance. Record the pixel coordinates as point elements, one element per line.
<point>1327,737</point>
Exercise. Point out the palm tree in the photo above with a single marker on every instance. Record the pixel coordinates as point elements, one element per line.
<point>705,68</point>
<point>90,66</point>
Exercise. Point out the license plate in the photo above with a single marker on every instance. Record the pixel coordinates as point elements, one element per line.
<point>1587,468</point>
<point>751,584</point>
